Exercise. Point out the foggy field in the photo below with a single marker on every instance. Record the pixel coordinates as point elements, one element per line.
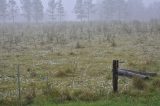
<point>73,61</point>
<point>79,53</point>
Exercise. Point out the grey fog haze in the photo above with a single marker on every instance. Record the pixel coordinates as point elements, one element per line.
<point>73,10</point>
<point>69,5</point>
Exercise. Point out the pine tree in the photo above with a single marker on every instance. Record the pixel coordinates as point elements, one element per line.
<point>79,10</point>
<point>13,9</point>
<point>88,8</point>
<point>3,9</point>
<point>60,10</point>
<point>27,8</point>
<point>119,8</point>
<point>37,10</point>
<point>51,9</point>
<point>112,9</point>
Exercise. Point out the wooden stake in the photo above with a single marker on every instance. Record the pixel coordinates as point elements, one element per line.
<point>115,75</point>
<point>19,86</point>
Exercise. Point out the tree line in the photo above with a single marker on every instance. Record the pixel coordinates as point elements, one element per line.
<point>84,10</point>
<point>31,10</point>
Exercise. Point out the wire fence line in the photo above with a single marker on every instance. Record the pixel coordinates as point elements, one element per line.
<point>17,81</point>
<point>17,84</point>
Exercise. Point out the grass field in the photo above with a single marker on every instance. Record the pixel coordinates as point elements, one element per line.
<point>72,62</point>
<point>124,101</point>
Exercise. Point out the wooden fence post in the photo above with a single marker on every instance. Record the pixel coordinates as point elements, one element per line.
<point>115,75</point>
<point>19,86</point>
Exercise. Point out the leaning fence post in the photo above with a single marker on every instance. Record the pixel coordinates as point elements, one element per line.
<point>115,75</point>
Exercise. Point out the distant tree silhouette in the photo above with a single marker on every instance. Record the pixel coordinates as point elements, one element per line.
<point>27,9</point>
<point>79,10</point>
<point>37,10</point>
<point>52,10</point>
<point>12,9</point>
<point>60,10</point>
<point>3,9</point>
<point>89,9</point>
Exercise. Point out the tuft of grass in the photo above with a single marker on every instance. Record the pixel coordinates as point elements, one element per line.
<point>120,100</point>
<point>83,95</point>
<point>72,54</point>
<point>31,94</point>
<point>156,83</point>
<point>8,102</point>
<point>88,96</point>
<point>69,70</point>
<point>29,99</point>
<point>59,54</point>
<point>78,46</point>
<point>60,74</point>
<point>139,83</point>
<point>64,73</point>
<point>61,96</point>
<point>113,43</point>
<point>65,96</point>
<point>33,74</point>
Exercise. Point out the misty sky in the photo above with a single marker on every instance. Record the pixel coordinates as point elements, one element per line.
<point>69,5</point>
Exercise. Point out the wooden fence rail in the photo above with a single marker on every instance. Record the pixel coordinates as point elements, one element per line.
<point>127,73</point>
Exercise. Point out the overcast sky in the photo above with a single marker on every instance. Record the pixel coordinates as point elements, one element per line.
<point>69,5</point>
